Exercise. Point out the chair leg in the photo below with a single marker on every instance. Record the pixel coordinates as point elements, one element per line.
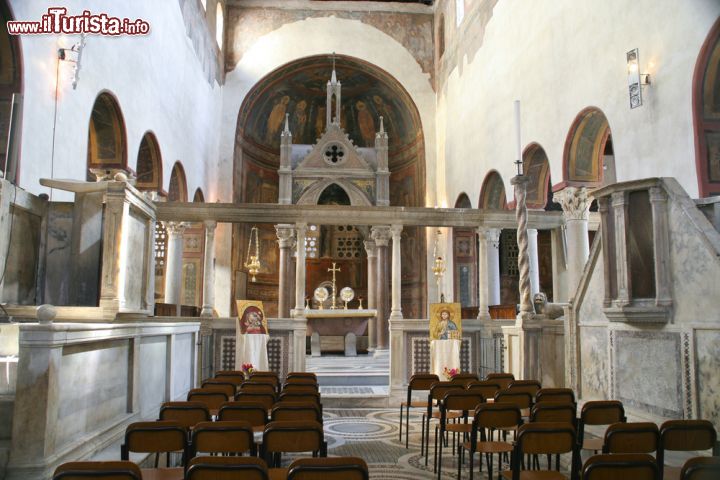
<point>401,421</point>
<point>435,449</point>
<point>439,459</point>
<point>407,427</point>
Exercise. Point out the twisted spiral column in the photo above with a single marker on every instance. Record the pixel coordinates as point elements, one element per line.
<point>520,183</point>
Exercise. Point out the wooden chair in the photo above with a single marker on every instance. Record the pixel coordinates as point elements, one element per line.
<point>301,388</point>
<point>338,468</point>
<point>636,437</point>
<point>523,400</point>
<point>504,379</point>
<point>308,411</point>
<point>221,468</point>
<point>564,395</point>
<point>701,468</point>
<point>292,437</point>
<point>454,401</point>
<point>419,382</point>
<point>258,387</point>
<point>220,384</point>
<point>300,397</point>
<point>529,386</point>
<point>599,412</point>
<point>623,466</point>
<point>236,378</point>
<point>486,388</point>
<point>300,377</point>
<point>226,437</point>
<point>464,378</point>
<point>210,397</point>
<point>437,392</point>
<point>123,470</point>
<point>488,418</point>
<point>187,414</point>
<point>540,438</point>
<point>683,436</point>
<point>265,399</point>
<point>157,437</point>
<point>253,413</point>
<point>554,412</point>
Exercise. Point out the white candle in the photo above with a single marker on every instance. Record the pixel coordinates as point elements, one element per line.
<point>517,131</point>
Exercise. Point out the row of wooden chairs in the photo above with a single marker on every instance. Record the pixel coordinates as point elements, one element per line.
<point>212,468</point>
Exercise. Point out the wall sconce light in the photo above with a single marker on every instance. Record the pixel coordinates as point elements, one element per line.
<point>636,80</point>
<point>73,55</point>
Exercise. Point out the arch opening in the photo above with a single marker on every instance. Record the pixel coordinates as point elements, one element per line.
<point>149,164</point>
<point>706,111</point>
<point>107,140</point>
<point>585,147</point>
<point>492,192</point>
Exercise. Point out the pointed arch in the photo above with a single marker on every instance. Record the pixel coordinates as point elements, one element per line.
<point>537,168</point>
<point>312,194</point>
<point>107,138</point>
<point>199,196</point>
<point>706,114</point>
<point>585,147</point>
<point>177,191</point>
<point>492,193</point>
<point>463,201</point>
<point>149,164</point>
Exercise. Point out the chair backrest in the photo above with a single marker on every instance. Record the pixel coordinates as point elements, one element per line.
<point>464,378</point>
<point>305,375</point>
<point>504,379</point>
<point>210,397</point>
<point>602,412</point>
<point>687,435</point>
<point>461,400</point>
<point>554,412</point>
<point>299,397</point>
<point>153,437</point>
<point>521,399</point>
<point>338,468</point>
<point>236,378</point>
<point>529,386</point>
<point>421,382</point>
<point>292,436</point>
<point>701,468</point>
<point>258,387</point>
<point>565,395</point>
<point>636,437</point>
<point>122,470</point>
<point>253,413</point>
<point>266,377</point>
<point>222,437</point>
<point>545,438</point>
<point>439,389</point>
<point>187,414</point>
<point>219,384</point>
<point>265,399</point>
<point>227,468</point>
<point>487,388</point>
<point>496,415</point>
<point>623,466</point>
<point>301,388</point>
<point>308,411</point>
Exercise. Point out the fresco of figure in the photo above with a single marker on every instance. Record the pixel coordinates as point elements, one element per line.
<point>275,119</point>
<point>365,123</point>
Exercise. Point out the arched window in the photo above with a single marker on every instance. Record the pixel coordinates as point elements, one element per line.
<point>149,164</point>
<point>464,260</point>
<point>537,168</point>
<point>106,136</point>
<point>585,148</point>
<point>441,35</point>
<point>219,25</point>
<point>177,192</point>
<point>492,193</point>
<point>199,197</point>
<point>706,108</point>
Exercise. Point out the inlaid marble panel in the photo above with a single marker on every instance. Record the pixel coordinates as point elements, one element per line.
<point>153,375</point>
<point>135,274</point>
<point>648,371</point>
<point>707,353</point>
<point>182,366</point>
<point>93,388</point>
<point>594,362</point>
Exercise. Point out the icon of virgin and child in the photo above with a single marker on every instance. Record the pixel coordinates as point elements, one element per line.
<point>251,317</point>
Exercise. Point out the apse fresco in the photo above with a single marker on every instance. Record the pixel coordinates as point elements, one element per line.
<point>300,91</point>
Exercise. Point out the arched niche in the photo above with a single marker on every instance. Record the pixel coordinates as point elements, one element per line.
<point>149,164</point>
<point>587,144</point>
<point>492,193</point>
<point>537,168</point>
<point>107,143</point>
<point>465,279</point>
<point>177,191</point>
<point>706,111</point>
<point>199,196</point>
<point>355,196</point>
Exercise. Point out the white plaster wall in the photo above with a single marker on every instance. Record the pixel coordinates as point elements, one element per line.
<point>316,36</point>
<point>560,56</point>
<point>157,80</point>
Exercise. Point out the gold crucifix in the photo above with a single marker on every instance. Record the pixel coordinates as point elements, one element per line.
<point>334,269</point>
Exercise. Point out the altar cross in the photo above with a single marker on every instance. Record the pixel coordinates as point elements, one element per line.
<point>334,270</point>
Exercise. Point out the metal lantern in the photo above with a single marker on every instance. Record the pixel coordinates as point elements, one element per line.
<point>252,263</point>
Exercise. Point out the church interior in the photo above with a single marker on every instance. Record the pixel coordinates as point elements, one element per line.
<point>352,239</point>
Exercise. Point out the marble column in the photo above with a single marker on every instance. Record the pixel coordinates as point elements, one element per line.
<point>488,270</point>
<point>575,203</point>
<point>534,261</point>
<point>300,230</point>
<point>209,270</point>
<point>396,309</point>
<point>371,290</point>
<point>285,234</point>
<point>173,266</point>
<point>381,235</point>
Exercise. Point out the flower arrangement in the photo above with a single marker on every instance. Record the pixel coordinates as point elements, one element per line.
<point>247,369</point>
<point>450,372</point>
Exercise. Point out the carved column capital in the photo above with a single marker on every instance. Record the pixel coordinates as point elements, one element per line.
<point>381,235</point>
<point>175,229</point>
<point>370,248</point>
<point>210,225</point>
<point>286,235</point>
<point>574,201</point>
<point>396,231</point>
